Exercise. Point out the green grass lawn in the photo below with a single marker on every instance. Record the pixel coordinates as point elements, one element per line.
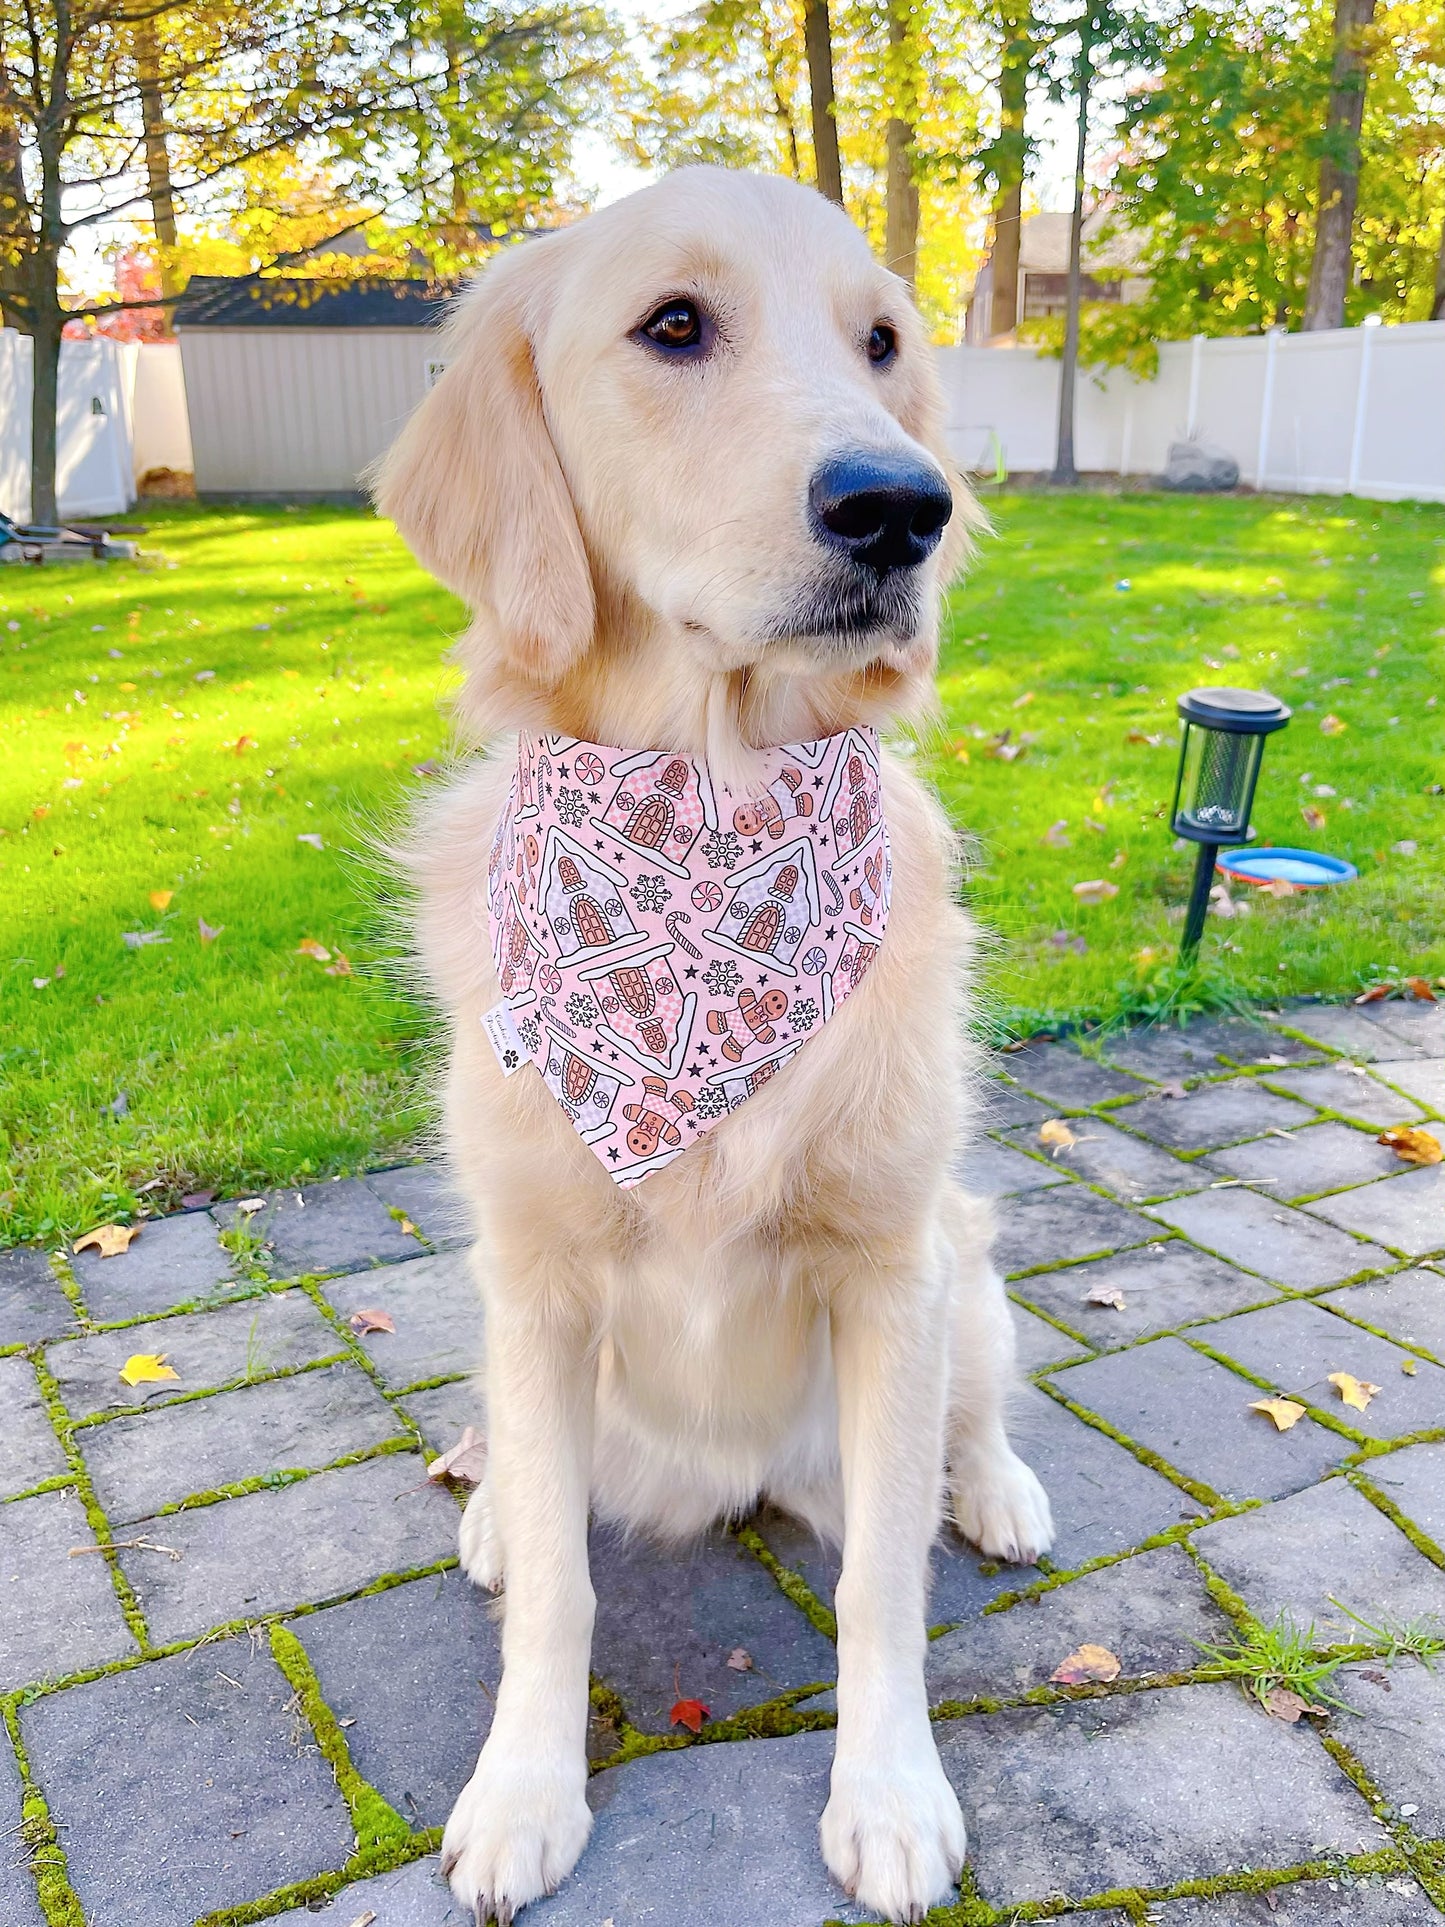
<point>179,726</point>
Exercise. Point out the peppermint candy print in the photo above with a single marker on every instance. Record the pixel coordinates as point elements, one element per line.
<point>647,1036</point>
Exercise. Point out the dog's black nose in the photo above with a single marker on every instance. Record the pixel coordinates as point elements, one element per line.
<point>886,511</point>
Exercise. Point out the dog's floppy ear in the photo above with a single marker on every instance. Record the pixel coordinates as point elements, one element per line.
<point>474,485</point>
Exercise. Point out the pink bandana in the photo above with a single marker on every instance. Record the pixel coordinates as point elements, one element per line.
<point>665,946</point>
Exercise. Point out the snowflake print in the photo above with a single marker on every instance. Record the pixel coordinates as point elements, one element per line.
<point>650,893</point>
<point>580,1009</point>
<point>721,978</point>
<point>804,1014</point>
<point>711,1102</point>
<point>530,1035</point>
<point>722,850</point>
<point>571,807</point>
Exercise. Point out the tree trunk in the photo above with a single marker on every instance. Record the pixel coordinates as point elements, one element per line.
<point>15,225</point>
<point>158,160</point>
<point>1339,187</point>
<point>900,238</point>
<point>1008,206</point>
<point>1437,307</point>
<point>46,321</point>
<point>818,39</point>
<point>1065,473</point>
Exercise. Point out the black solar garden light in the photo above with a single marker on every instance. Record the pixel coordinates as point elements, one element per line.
<point>1219,759</point>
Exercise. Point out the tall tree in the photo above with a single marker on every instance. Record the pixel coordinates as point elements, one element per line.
<point>157,154</point>
<point>1065,472</point>
<point>1339,173</point>
<point>1009,158</point>
<point>818,41</point>
<point>900,245</point>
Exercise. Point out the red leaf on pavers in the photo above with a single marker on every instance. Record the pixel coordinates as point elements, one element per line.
<point>365,1321</point>
<point>688,1713</point>
<point>1087,1666</point>
<point>1420,986</point>
<point>1374,994</point>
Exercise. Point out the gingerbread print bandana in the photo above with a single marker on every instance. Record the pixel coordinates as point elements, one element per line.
<point>664,945</point>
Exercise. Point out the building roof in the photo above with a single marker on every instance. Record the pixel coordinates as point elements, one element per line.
<point>282,301</point>
<point>1044,243</point>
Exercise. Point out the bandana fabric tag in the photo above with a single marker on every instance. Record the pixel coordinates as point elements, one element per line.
<point>663,945</point>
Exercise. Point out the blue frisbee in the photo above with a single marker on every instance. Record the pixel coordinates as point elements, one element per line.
<point>1304,868</point>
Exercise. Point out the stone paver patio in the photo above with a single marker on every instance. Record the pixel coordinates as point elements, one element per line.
<point>242,1678</point>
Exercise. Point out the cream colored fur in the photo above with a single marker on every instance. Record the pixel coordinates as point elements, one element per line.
<point>802,1307</point>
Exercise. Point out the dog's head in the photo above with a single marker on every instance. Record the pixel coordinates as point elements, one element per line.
<point>705,416</point>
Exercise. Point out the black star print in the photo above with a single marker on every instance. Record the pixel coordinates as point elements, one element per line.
<point>597,842</point>
<point>703,1051</point>
<point>562,771</point>
<point>824,841</point>
<point>612,1056</point>
<point>762,979</point>
<point>694,1070</point>
<point>817,782</point>
<point>691,971</point>
<point>613,1152</point>
<point>832,933</point>
<point>755,846</point>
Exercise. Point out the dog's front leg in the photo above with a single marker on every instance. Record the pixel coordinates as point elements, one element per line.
<point>522,1819</point>
<point>892,1833</point>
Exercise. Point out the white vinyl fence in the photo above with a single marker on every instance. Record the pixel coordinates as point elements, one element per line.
<point>1360,411</point>
<point>121,412</point>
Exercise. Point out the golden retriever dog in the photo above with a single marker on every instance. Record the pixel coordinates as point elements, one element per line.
<point>686,467</point>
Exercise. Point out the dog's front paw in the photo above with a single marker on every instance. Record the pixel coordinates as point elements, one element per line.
<point>479,1545</point>
<point>515,1832</point>
<point>999,1506</point>
<point>892,1832</point>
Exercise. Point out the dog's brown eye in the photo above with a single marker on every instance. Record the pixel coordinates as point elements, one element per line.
<point>676,324</point>
<point>882,344</point>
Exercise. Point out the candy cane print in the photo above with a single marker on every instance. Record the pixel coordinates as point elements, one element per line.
<point>670,921</point>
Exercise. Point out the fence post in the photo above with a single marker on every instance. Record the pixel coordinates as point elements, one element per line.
<point>1266,407</point>
<point>1362,403</point>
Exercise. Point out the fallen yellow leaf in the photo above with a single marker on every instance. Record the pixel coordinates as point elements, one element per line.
<point>341,967</point>
<point>110,1240</point>
<point>1332,726</point>
<point>1088,1664</point>
<point>1356,1392</point>
<point>1283,1411</point>
<point>208,932</point>
<point>146,1368</point>
<point>407,1228</point>
<point>1413,1146</point>
<point>1055,1132</point>
<point>160,898</point>
<point>1409,1367</point>
<point>367,1320</point>
<point>309,947</point>
<point>1095,890</point>
<point>1314,816</point>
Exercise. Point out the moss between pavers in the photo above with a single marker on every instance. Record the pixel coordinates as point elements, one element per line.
<point>40,1839</point>
<point>235,1384</point>
<point>95,1517</point>
<point>1204,1495</point>
<point>60,1483</point>
<point>792,1584</point>
<point>1384,1503</point>
<point>282,1476</point>
<point>378,1827</point>
<point>321,1887</point>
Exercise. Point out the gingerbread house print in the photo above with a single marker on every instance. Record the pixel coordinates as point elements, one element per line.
<point>518,952</point>
<point>644,1010</point>
<point>583,899</point>
<point>769,908</point>
<point>853,805</point>
<point>740,1084</point>
<point>585,1087</point>
<point>860,948</point>
<point>661,806</point>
